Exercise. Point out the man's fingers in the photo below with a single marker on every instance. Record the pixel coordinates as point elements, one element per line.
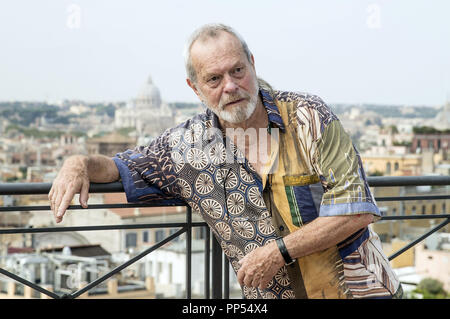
<point>62,207</point>
<point>264,283</point>
<point>57,201</point>
<point>84,194</point>
<point>256,281</point>
<point>248,280</point>
<point>240,276</point>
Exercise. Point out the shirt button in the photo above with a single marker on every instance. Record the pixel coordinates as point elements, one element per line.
<point>281,228</point>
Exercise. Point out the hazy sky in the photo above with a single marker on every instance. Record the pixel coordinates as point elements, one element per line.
<point>346,51</point>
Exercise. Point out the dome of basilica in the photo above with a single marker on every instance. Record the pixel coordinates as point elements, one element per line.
<point>148,96</point>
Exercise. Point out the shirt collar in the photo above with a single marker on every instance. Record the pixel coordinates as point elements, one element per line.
<point>273,113</point>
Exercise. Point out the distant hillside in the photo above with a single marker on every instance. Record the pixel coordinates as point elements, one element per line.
<point>389,110</point>
<point>183,105</point>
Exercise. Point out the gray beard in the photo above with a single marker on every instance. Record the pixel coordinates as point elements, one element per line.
<point>239,113</point>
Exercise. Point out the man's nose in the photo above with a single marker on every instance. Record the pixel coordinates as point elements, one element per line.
<point>230,85</point>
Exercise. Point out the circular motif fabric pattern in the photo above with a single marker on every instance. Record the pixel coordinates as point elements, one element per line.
<point>224,230</point>
<point>282,276</point>
<point>250,292</point>
<point>231,181</point>
<point>194,133</point>
<point>265,226</point>
<point>217,153</point>
<point>243,228</point>
<point>255,197</point>
<point>269,295</point>
<point>288,294</point>
<point>204,184</point>
<point>175,137</point>
<point>231,250</point>
<point>235,203</point>
<point>185,188</point>
<point>177,160</point>
<point>237,152</point>
<point>246,177</point>
<point>250,247</point>
<point>196,158</point>
<point>212,207</point>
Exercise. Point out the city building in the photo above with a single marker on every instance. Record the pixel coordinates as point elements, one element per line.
<point>147,113</point>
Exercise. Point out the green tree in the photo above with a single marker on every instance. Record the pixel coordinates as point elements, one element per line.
<point>431,288</point>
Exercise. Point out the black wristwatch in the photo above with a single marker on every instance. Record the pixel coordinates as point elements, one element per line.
<point>283,250</point>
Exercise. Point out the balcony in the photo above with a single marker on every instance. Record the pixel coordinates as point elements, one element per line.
<point>216,270</point>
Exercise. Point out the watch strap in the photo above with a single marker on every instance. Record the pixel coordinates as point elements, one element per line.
<point>284,252</point>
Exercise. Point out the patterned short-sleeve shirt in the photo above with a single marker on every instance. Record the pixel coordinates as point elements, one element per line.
<point>316,171</point>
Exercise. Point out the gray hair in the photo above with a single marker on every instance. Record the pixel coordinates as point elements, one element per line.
<point>211,30</point>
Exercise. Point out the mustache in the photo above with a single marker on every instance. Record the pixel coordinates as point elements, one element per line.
<point>232,98</point>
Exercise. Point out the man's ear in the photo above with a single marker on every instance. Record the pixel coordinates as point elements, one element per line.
<point>193,87</point>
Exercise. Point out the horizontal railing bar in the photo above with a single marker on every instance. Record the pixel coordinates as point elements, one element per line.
<point>165,225</point>
<point>402,198</point>
<point>138,205</point>
<point>28,283</point>
<point>126,264</point>
<point>387,181</point>
<point>97,227</point>
<point>79,207</point>
<point>117,187</point>
<point>415,217</point>
<point>44,188</point>
<point>413,243</point>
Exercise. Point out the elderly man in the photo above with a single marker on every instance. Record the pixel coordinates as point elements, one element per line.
<point>273,174</point>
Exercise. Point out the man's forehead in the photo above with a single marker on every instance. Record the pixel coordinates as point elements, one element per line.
<point>210,50</point>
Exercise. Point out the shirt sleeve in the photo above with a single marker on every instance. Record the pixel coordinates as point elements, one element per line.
<point>147,173</point>
<point>339,166</point>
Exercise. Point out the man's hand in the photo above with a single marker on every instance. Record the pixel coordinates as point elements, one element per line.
<point>73,178</point>
<point>260,266</point>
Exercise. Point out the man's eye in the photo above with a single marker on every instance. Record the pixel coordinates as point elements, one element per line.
<point>213,79</point>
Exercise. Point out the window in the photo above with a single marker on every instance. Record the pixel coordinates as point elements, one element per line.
<point>423,209</point>
<point>201,233</point>
<point>443,208</point>
<point>413,210</point>
<point>130,240</point>
<point>159,235</point>
<point>145,236</point>
<point>173,231</point>
<point>396,166</point>
<point>433,209</point>
<point>388,168</point>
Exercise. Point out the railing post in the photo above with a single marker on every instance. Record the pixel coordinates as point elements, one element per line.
<point>188,252</point>
<point>226,278</point>
<point>216,269</point>
<point>207,261</point>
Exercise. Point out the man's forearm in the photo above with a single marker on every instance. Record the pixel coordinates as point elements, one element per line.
<point>101,169</point>
<point>97,168</point>
<point>323,233</point>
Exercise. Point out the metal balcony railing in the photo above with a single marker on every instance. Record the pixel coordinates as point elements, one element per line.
<point>216,284</point>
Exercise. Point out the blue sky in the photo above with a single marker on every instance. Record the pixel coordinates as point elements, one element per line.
<point>347,51</point>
